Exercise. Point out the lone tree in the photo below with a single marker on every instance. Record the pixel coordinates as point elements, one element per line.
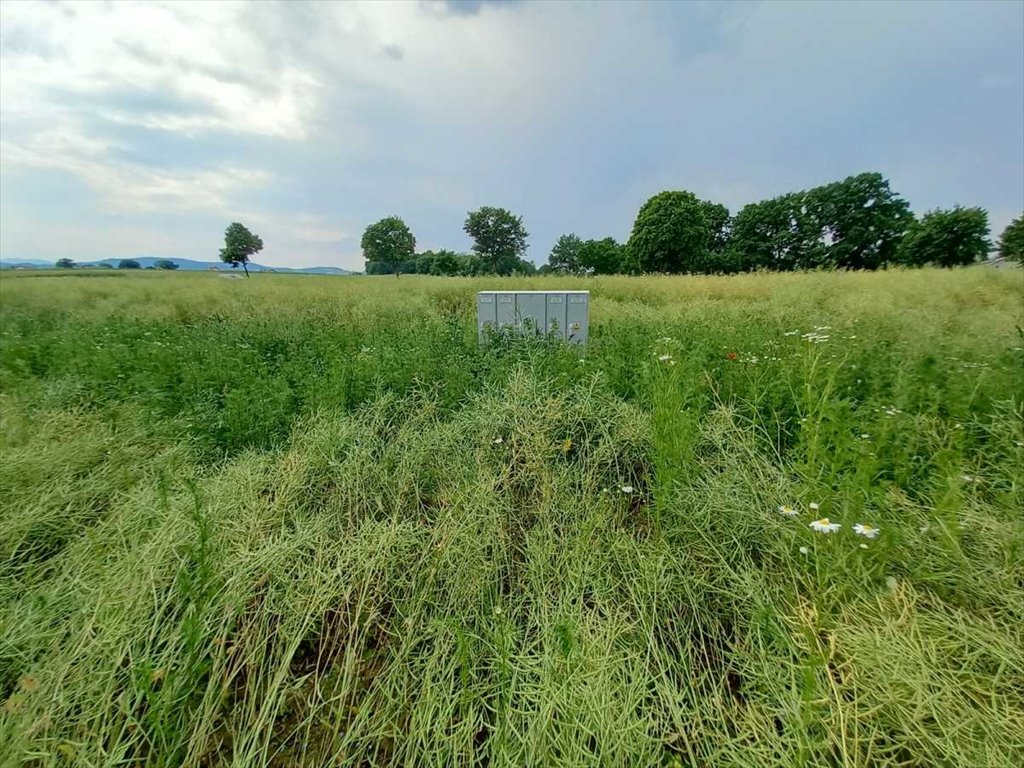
<point>128,264</point>
<point>165,264</point>
<point>65,264</point>
<point>1011,242</point>
<point>239,245</point>
<point>387,245</point>
<point>946,238</point>
<point>499,238</point>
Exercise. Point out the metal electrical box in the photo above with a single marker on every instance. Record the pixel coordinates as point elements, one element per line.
<point>560,314</point>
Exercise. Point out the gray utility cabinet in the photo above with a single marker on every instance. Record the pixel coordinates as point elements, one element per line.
<point>561,314</point>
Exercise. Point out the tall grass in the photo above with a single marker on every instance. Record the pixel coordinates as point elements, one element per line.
<point>309,521</point>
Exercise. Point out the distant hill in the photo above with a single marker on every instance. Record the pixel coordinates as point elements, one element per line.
<point>185,265</point>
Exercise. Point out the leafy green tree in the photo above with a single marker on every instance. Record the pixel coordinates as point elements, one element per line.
<point>499,239</point>
<point>391,243</point>
<point>855,223</point>
<point>776,234</point>
<point>128,264</point>
<point>165,264</point>
<point>470,265</point>
<point>239,245</point>
<point>522,267</point>
<point>602,257</point>
<point>671,234</point>
<point>860,220</point>
<point>445,263</point>
<point>424,262</point>
<point>565,255</point>
<point>719,222</point>
<point>65,264</point>
<point>1011,242</point>
<point>946,238</point>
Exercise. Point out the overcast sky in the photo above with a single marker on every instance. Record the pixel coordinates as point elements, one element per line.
<point>145,129</point>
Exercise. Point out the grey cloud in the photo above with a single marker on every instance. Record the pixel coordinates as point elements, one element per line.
<point>393,52</point>
<point>571,116</point>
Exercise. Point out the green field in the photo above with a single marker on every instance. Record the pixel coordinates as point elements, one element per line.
<point>308,521</point>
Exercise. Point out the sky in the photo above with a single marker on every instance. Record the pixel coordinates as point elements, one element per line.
<point>144,129</point>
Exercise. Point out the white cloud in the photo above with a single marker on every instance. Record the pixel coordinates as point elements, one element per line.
<point>570,114</point>
<point>128,186</point>
<point>202,54</point>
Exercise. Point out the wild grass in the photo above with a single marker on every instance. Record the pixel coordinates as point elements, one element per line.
<point>309,521</point>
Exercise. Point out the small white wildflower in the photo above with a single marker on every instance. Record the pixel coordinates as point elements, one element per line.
<point>788,511</point>
<point>865,530</point>
<point>865,436</point>
<point>791,333</point>
<point>804,551</point>
<point>627,489</point>
<point>498,440</point>
<point>665,358</point>
<point>863,546</point>
<point>814,506</point>
<point>825,526</point>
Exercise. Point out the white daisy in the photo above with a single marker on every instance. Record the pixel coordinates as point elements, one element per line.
<point>788,511</point>
<point>865,530</point>
<point>825,526</point>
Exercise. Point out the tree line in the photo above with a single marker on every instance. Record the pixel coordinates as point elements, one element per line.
<point>856,223</point>
<point>122,264</point>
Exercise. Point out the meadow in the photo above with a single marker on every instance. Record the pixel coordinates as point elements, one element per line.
<point>310,521</point>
